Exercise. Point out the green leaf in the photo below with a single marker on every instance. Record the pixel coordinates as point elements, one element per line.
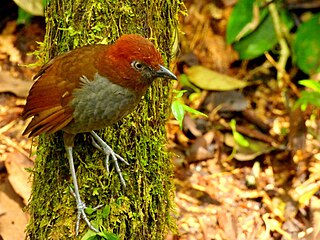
<point>286,19</point>
<point>45,2</point>
<point>179,93</point>
<point>108,235</point>
<point>250,152</point>
<point>193,111</point>
<point>210,80</point>
<point>241,15</point>
<point>239,138</point>
<point>308,97</point>
<point>259,41</point>
<point>90,210</point>
<point>184,81</point>
<point>105,211</point>
<point>89,235</point>
<point>313,84</point>
<point>306,46</point>
<point>263,38</point>
<point>178,111</point>
<point>23,16</point>
<point>242,20</point>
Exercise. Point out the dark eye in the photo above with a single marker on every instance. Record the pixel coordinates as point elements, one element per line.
<point>137,65</point>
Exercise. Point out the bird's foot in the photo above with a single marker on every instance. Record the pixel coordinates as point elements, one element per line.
<point>107,150</point>
<point>81,206</point>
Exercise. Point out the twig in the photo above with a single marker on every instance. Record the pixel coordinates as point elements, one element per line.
<point>11,143</point>
<point>285,76</point>
<point>284,49</point>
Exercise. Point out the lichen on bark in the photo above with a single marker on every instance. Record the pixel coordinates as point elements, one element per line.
<point>144,209</point>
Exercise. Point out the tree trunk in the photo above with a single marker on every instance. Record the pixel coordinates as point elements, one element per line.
<point>143,210</point>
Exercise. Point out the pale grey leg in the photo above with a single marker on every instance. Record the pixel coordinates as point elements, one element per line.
<point>80,204</point>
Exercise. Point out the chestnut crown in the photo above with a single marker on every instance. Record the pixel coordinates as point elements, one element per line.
<point>138,62</point>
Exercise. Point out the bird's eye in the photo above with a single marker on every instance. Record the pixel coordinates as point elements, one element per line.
<point>137,65</point>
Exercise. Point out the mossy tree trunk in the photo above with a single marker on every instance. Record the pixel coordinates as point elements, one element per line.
<point>143,209</point>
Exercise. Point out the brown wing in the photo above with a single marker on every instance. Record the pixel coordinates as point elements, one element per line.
<point>50,96</point>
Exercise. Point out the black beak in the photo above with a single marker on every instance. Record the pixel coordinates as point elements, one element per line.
<point>165,73</point>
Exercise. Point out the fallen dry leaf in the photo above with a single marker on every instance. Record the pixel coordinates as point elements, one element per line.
<point>16,165</point>
<point>255,148</point>
<point>208,79</point>
<point>12,219</point>
<point>34,7</point>
<point>18,87</point>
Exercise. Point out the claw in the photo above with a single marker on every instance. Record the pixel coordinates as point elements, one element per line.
<point>96,145</point>
<point>103,147</point>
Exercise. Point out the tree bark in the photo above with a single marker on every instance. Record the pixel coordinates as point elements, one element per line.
<point>143,210</point>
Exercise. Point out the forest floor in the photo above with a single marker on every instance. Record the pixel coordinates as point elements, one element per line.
<point>268,189</point>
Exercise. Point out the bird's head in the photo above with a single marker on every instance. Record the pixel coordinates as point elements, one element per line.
<point>132,62</point>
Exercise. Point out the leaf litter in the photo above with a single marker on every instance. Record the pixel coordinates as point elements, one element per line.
<point>222,190</point>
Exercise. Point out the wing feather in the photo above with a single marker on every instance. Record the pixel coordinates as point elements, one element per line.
<point>50,96</point>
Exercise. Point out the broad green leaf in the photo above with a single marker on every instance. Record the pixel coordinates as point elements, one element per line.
<point>178,111</point>
<point>89,235</point>
<point>308,97</point>
<point>306,46</point>
<point>313,84</point>
<point>210,80</point>
<point>241,15</point>
<point>242,20</point>
<point>259,41</point>
<point>263,38</point>
<point>23,16</point>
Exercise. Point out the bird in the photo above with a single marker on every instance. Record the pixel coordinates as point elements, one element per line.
<point>90,88</point>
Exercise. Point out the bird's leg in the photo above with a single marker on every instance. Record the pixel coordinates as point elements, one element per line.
<point>80,204</point>
<point>107,150</point>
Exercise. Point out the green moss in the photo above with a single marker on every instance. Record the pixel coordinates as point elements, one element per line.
<point>144,209</point>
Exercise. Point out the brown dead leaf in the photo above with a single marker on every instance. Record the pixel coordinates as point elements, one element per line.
<point>228,223</point>
<point>201,149</point>
<point>7,39</point>
<point>8,83</point>
<point>190,125</point>
<point>315,212</point>
<point>255,148</point>
<point>12,218</point>
<point>298,130</point>
<point>227,101</point>
<point>17,175</point>
<point>34,7</point>
<point>208,79</point>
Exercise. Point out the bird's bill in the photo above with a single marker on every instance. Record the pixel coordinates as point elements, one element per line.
<point>165,73</point>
